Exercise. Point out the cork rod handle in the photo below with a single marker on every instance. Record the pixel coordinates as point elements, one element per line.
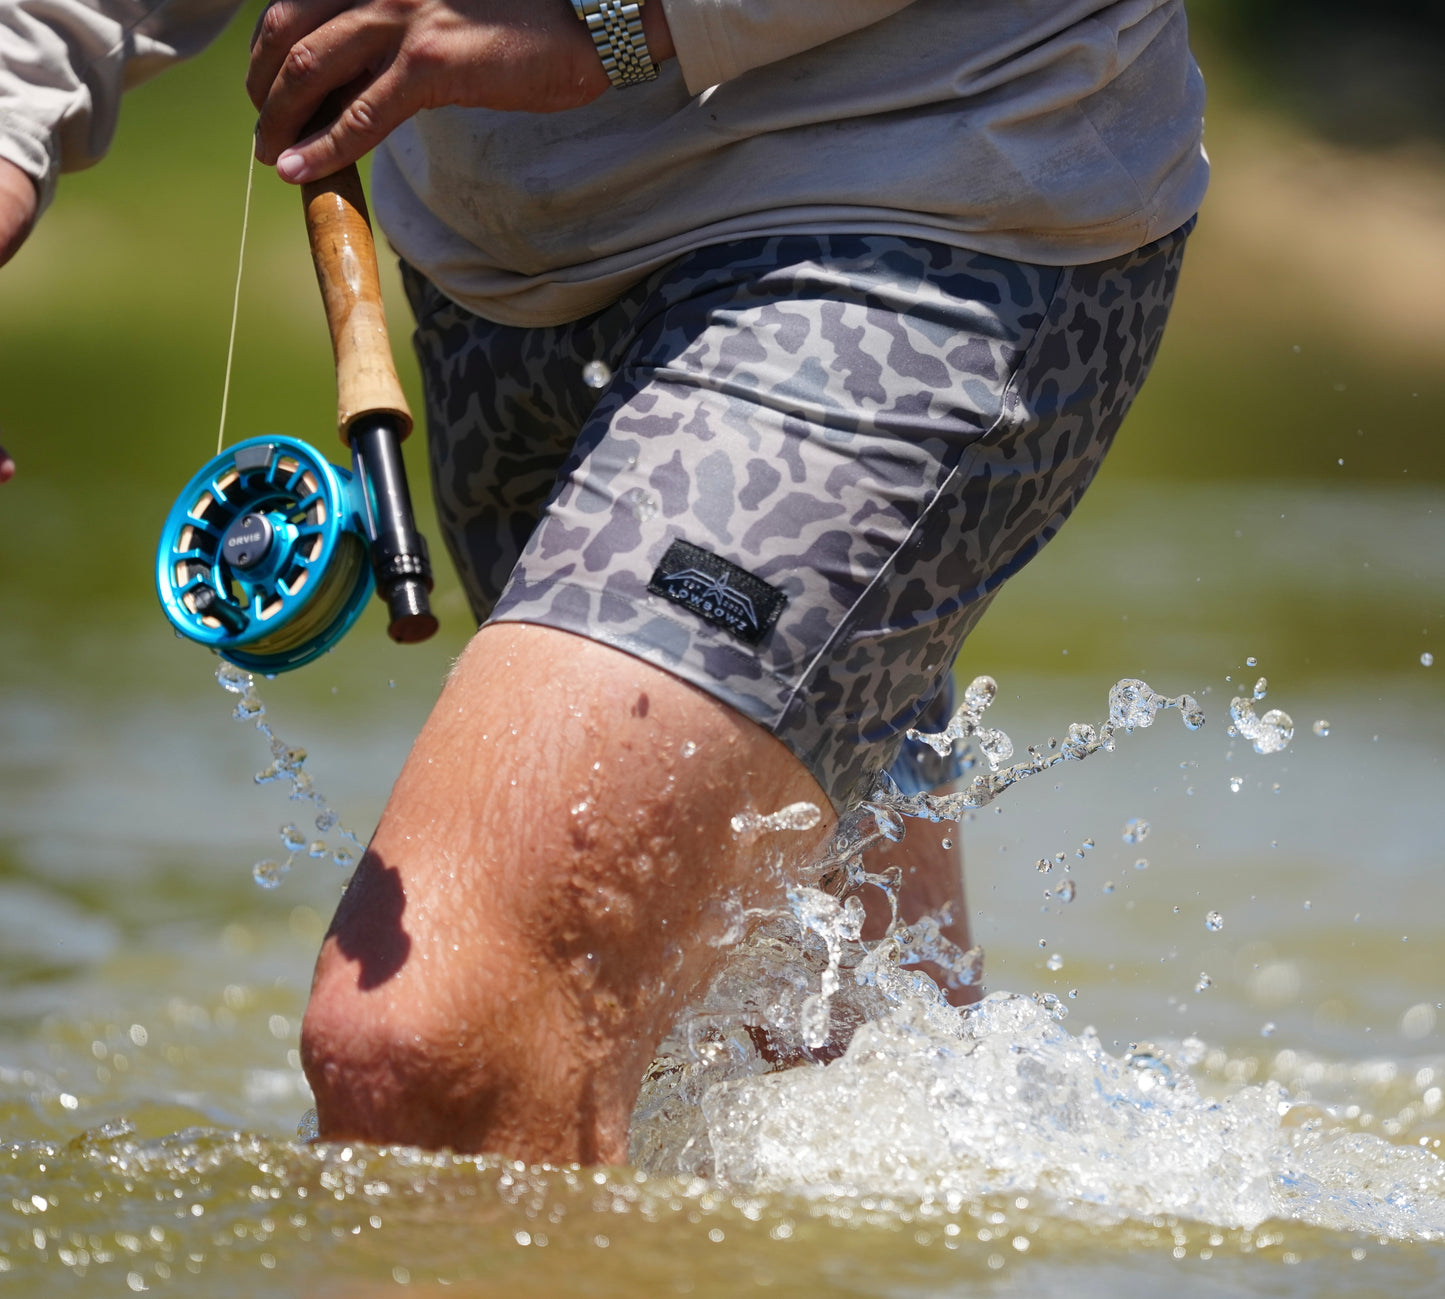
<point>345,257</point>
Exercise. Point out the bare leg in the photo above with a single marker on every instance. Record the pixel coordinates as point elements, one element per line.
<point>535,906</point>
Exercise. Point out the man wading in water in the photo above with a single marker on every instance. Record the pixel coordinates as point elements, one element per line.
<point>872,284</point>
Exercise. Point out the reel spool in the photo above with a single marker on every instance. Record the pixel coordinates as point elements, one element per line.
<point>263,557</point>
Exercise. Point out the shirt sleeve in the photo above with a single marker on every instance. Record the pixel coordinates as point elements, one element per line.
<point>64,64</point>
<point>717,40</point>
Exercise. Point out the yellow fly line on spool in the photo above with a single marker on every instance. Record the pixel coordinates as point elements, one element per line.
<point>326,603</point>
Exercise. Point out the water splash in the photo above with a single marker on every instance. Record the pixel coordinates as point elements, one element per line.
<point>929,1105</point>
<point>835,923</point>
<point>287,765</point>
<point>967,724</point>
<point>1132,705</point>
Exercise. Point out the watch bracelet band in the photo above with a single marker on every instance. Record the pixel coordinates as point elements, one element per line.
<point>616,30</point>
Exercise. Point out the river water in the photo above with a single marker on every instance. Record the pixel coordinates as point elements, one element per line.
<point>1107,1122</point>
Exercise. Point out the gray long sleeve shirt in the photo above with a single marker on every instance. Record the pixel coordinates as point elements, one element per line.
<point>1055,131</point>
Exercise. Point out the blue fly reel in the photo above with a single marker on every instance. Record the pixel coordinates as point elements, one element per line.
<point>264,556</point>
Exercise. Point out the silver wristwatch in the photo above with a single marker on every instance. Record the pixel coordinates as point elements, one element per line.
<point>616,30</point>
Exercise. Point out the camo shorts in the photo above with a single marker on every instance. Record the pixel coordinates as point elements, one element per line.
<point>791,470</point>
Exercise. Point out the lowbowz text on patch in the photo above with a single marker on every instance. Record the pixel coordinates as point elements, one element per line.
<point>718,592</point>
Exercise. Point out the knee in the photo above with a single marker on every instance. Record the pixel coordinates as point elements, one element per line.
<point>487,1062</point>
<point>376,1075</point>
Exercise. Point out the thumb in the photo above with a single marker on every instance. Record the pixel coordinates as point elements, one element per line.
<point>363,124</point>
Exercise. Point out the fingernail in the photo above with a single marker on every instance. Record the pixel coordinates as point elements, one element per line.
<point>291,166</point>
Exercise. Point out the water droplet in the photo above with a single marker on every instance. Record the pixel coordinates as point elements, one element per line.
<point>1087,844</point>
<point>1043,865</point>
<point>996,746</point>
<point>1132,703</point>
<point>1236,783</point>
<point>1204,984</point>
<point>1065,891</point>
<point>1261,688</point>
<point>292,838</point>
<point>327,820</point>
<point>1060,858</point>
<point>309,1127</point>
<point>1136,830</point>
<point>344,858</point>
<point>249,707</point>
<point>1214,922</point>
<point>1268,734</point>
<point>946,844</point>
<point>1043,942</point>
<point>1141,864</point>
<point>1427,659</point>
<point>641,503</point>
<point>1268,1028</point>
<point>688,748</point>
<point>1055,962</point>
<point>1251,662</point>
<point>1073,992</point>
<point>796,816</point>
<point>1081,741</point>
<point>1108,886</point>
<point>237,680</point>
<point>596,374</point>
<point>1321,728</point>
<point>980,693</point>
<point>317,848</point>
<point>269,874</point>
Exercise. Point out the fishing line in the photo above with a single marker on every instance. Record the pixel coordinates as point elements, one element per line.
<point>236,297</point>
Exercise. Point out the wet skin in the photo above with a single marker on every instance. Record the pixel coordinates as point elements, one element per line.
<point>540,899</point>
<point>537,903</point>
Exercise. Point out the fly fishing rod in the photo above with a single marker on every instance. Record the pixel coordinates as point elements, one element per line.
<point>270,552</point>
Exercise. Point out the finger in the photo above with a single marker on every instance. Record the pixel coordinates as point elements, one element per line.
<point>369,117</point>
<point>277,30</point>
<point>333,57</point>
<point>7,466</point>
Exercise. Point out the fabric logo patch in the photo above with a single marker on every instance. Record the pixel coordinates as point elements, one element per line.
<point>718,592</point>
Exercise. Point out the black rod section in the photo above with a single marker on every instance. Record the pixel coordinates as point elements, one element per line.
<point>398,550</point>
